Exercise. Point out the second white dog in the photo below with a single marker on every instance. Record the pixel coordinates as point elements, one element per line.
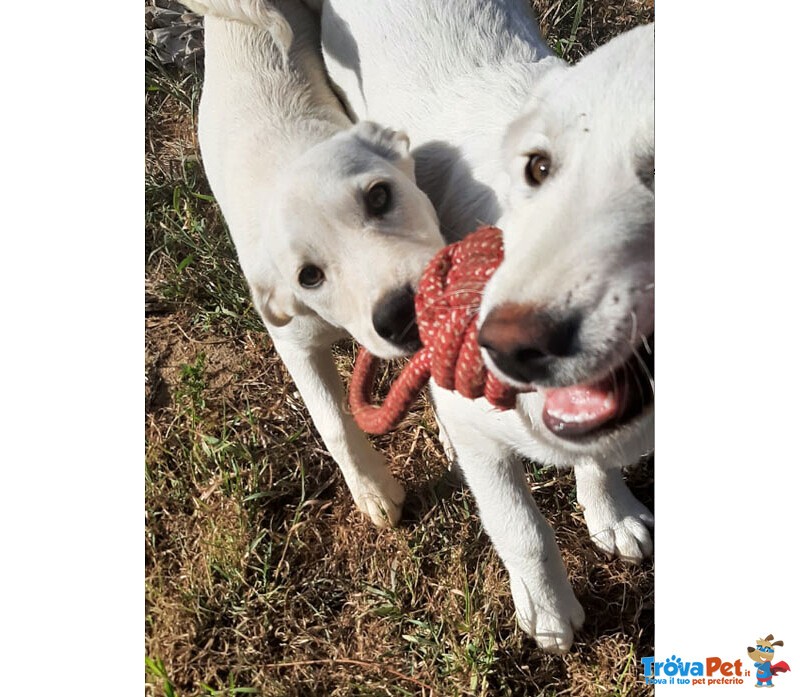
<point>330,229</point>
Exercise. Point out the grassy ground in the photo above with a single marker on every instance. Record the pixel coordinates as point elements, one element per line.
<point>261,577</point>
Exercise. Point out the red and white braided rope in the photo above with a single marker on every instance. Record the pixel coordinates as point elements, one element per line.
<point>447,303</point>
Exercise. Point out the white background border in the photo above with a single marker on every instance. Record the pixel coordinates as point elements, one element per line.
<point>727,302</point>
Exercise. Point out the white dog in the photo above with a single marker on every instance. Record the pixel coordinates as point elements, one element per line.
<point>570,311</point>
<point>330,229</point>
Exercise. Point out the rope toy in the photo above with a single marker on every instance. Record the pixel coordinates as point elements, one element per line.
<point>446,303</point>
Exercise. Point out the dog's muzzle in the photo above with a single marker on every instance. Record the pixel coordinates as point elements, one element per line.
<point>395,319</point>
<point>526,345</point>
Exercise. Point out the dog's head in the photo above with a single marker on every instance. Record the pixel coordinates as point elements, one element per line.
<point>764,650</point>
<point>570,310</point>
<point>350,234</point>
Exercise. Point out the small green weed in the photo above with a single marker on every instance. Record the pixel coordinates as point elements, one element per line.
<point>155,667</point>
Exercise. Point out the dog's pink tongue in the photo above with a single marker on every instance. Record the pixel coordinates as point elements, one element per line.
<point>573,411</point>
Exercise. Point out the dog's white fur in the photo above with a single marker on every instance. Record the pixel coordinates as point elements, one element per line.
<point>454,75</point>
<point>289,171</point>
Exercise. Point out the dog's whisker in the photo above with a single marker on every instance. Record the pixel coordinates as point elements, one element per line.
<point>472,307</point>
<point>646,370</point>
<point>648,375</point>
<point>634,328</point>
<point>454,293</point>
<point>624,361</point>
<point>636,378</point>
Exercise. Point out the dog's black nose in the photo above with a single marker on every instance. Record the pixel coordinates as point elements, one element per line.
<point>395,319</point>
<point>525,342</point>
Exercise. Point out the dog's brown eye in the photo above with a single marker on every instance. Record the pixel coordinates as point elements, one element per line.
<point>537,169</point>
<point>311,276</point>
<point>378,198</point>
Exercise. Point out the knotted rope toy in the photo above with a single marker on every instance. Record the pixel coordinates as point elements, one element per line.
<point>446,304</point>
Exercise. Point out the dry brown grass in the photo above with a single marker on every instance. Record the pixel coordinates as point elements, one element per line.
<point>261,577</point>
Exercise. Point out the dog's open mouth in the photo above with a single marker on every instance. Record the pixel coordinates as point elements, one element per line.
<point>582,410</point>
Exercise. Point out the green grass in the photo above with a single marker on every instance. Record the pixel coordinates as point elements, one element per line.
<point>190,258</point>
<point>156,670</point>
<point>563,46</point>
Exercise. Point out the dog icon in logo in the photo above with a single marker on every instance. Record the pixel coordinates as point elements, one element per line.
<point>762,655</point>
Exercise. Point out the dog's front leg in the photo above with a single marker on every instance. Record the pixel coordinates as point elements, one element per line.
<point>546,606</point>
<point>375,491</point>
<point>616,519</point>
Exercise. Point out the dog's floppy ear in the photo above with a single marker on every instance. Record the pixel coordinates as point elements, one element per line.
<point>275,302</point>
<point>257,12</point>
<point>393,145</point>
<point>197,6</point>
<point>778,643</point>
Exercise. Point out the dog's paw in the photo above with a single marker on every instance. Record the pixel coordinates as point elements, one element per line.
<point>619,525</point>
<point>379,497</point>
<point>621,529</point>
<point>548,614</point>
<point>628,539</point>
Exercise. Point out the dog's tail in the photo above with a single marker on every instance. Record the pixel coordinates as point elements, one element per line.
<point>260,13</point>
